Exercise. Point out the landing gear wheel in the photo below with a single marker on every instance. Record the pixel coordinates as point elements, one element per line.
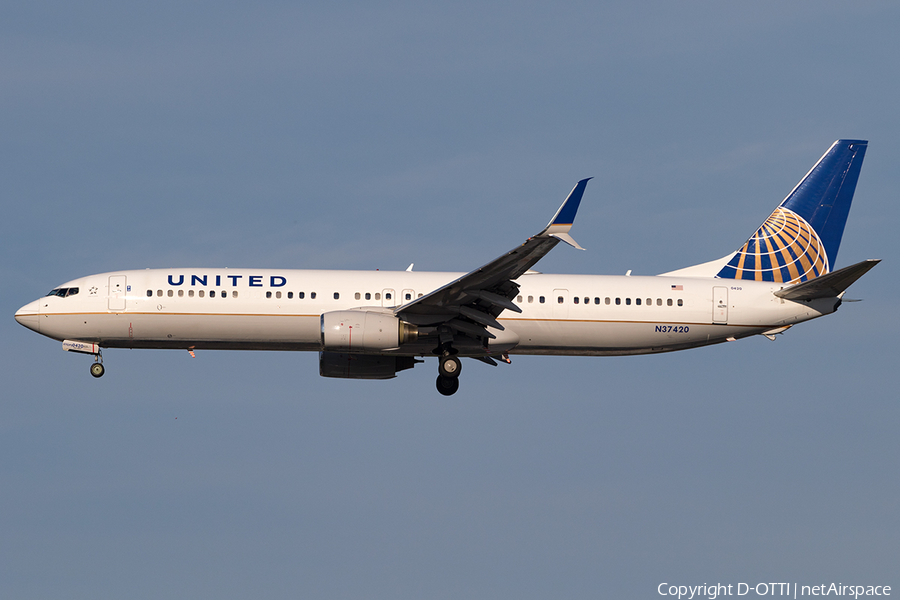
<point>97,370</point>
<point>450,367</point>
<point>447,386</point>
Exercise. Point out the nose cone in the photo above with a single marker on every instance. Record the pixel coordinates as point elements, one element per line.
<point>28,316</point>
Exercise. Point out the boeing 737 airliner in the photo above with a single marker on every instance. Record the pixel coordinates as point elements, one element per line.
<point>373,324</point>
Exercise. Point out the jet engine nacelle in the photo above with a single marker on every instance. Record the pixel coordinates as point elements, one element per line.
<point>365,331</point>
<point>362,366</point>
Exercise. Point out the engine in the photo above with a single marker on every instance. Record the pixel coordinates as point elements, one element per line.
<point>362,366</point>
<point>365,331</point>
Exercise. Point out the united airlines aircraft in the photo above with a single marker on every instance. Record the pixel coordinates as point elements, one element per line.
<point>374,324</point>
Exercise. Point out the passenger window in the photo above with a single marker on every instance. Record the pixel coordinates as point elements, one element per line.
<point>519,299</point>
<point>149,294</point>
<point>541,299</point>
<point>278,294</point>
<point>170,293</point>
<point>530,299</point>
<point>368,296</point>
<point>618,301</point>
<point>312,295</point>
<point>627,301</point>
<point>607,300</point>
<point>680,302</point>
<point>378,295</point>
<point>669,302</point>
<point>290,295</point>
<point>637,301</point>
<point>234,294</point>
<point>649,301</point>
<point>190,293</point>
<point>181,293</point>
<point>419,296</point>
<point>212,293</point>
<point>387,296</point>
<point>337,296</point>
<point>559,300</point>
<point>597,301</point>
<point>575,299</point>
<point>159,293</point>
<point>200,293</point>
<point>659,301</point>
<point>356,296</point>
<point>268,294</point>
<point>409,296</point>
<point>301,295</point>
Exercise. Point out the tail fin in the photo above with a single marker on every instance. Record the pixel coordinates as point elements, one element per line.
<point>800,240</point>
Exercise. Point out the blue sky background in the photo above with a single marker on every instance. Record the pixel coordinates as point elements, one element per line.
<point>364,136</point>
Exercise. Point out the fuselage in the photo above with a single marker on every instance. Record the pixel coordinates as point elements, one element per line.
<point>260,309</point>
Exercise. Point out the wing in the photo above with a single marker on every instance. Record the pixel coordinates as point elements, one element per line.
<point>470,304</point>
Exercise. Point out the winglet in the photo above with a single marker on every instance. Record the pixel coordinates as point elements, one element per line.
<point>561,223</point>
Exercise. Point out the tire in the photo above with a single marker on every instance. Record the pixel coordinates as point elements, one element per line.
<point>97,370</point>
<point>447,386</point>
<point>449,366</point>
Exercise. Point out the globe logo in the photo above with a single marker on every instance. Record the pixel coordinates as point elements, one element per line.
<point>785,249</point>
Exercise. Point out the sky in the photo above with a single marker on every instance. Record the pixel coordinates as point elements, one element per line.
<point>374,135</point>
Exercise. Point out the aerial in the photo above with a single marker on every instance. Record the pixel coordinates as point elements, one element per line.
<point>781,276</point>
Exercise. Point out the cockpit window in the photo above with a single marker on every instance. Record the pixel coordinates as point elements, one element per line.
<point>63,292</point>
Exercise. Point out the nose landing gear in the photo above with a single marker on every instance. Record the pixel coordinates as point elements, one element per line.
<point>97,369</point>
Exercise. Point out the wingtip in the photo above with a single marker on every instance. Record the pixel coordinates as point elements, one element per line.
<point>565,216</point>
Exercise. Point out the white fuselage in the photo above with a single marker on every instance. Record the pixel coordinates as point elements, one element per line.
<point>280,310</point>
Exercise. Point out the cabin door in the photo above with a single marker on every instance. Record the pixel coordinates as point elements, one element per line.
<point>117,292</point>
<point>720,305</point>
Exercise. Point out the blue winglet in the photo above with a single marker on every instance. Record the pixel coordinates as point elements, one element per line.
<point>566,213</point>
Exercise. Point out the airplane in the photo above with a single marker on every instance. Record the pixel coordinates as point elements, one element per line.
<point>374,324</point>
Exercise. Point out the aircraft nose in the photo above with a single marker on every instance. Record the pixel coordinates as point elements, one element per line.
<point>28,316</point>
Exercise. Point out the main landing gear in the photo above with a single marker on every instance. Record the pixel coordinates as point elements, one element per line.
<point>449,368</point>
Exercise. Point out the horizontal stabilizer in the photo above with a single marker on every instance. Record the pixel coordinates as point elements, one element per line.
<point>830,285</point>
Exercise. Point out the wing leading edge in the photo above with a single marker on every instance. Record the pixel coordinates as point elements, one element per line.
<point>472,303</point>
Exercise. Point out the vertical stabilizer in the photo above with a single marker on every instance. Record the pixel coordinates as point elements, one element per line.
<point>800,239</point>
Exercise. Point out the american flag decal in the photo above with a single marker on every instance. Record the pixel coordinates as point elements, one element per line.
<point>677,288</point>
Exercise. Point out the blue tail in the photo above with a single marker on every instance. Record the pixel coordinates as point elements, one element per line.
<point>800,240</point>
